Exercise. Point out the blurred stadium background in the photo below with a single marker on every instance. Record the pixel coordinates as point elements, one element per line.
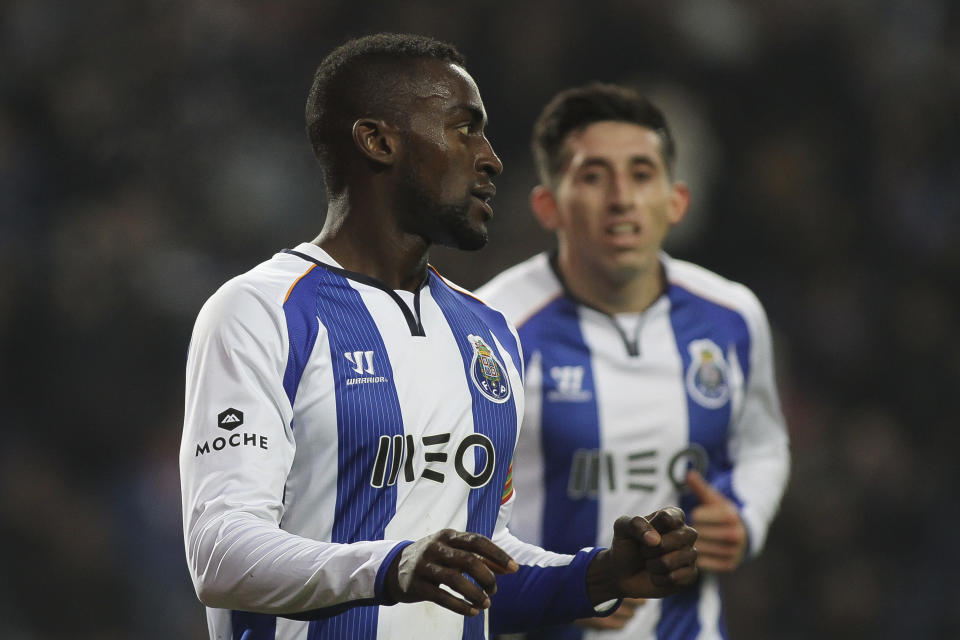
<point>151,150</point>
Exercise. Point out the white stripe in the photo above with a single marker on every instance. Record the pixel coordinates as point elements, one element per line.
<point>423,506</point>
<point>291,629</point>
<point>528,461</point>
<point>708,607</point>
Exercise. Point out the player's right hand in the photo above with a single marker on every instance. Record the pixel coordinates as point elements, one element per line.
<point>448,557</point>
<point>722,540</point>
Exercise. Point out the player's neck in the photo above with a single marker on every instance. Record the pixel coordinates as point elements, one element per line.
<point>631,293</point>
<point>364,243</point>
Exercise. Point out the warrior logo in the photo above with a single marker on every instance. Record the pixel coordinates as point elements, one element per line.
<point>708,377</point>
<point>362,362</point>
<point>487,373</point>
<point>569,383</point>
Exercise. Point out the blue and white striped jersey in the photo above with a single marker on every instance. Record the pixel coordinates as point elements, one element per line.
<point>617,408</point>
<point>329,421</point>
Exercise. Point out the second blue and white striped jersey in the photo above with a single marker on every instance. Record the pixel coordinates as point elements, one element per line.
<point>329,421</point>
<point>618,407</point>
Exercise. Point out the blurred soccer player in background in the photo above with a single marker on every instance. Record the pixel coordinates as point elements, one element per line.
<point>351,416</point>
<point>649,380</point>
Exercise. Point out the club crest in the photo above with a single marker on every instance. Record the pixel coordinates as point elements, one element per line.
<point>487,373</point>
<point>708,376</point>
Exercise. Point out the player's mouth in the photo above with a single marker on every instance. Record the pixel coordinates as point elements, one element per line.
<point>622,235</point>
<point>484,194</point>
<point>623,229</point>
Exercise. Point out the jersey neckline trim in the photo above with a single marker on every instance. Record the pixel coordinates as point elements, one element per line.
<point>631,344</point>
<point>413,319</point>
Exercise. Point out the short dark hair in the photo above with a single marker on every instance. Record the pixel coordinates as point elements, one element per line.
<point>355,80</point>
<point>574,109</point>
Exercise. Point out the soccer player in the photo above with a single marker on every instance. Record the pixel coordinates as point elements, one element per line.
<point>649,380</point>
<point>351,416</point>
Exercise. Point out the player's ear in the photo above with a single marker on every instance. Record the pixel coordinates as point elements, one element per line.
<point>679,202</point>
<point>544,205</point>
<point>376,140</point>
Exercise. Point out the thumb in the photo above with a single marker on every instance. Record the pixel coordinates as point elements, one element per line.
<point>702,489</point>
<point>636,528</point>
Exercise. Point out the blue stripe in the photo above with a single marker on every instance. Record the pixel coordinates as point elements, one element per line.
<point>252,626</point>
<point>365,412</point>
<point>497,421</point>
<point>495,321</point>
<point>695,318</point>
<point>569,522</point>
<point>300,310</point>
<point>678,615</point>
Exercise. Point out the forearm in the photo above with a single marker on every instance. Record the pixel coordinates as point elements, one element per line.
<point>241,562</point>
<point>759,442</point>
<point>760,485</point>
<point>761,467</point>
<point>539,596</point>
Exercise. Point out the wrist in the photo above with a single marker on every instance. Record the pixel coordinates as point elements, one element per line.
<point>601,586</point>
<point>391,582</point>
<point>387,587</point>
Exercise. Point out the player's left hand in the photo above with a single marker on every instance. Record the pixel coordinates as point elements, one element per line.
<point>650,557</point>
<point>723,537</point>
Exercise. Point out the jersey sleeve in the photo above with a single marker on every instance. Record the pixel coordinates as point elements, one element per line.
<point>548,589</point>
<point>235,455</point>
<point>759,445</point>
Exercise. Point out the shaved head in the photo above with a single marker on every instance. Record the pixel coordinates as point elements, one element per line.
<point>371,77</point>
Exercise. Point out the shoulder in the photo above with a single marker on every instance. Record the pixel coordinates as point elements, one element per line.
<point>711,287</point>
<point>256,297</point>
<point>499,325</point>
<point>472,301</point>
<point>522,290</point>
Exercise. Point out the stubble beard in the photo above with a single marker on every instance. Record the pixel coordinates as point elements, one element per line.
<point>439,223</point>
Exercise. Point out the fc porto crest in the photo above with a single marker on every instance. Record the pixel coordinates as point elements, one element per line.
<point>488,375</point>
<point>708,377</point>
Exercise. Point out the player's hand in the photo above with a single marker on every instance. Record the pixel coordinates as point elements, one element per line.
<point>650,557</point>
<point>448,557</point>
<point>616,620</point>
<point>723,537</point>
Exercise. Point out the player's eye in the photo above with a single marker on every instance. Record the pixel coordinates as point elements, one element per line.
<point>591,177</point>
<point>464,129</point>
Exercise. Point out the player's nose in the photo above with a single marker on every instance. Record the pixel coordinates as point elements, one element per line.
<point>620,193</point>
<point>487,160</point>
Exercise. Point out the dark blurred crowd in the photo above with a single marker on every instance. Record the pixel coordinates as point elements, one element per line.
<point>151,150</point>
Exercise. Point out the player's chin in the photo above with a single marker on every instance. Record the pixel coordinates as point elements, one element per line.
<point>464,228</point>
<point>470,236</point>
<point>473,242</point>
